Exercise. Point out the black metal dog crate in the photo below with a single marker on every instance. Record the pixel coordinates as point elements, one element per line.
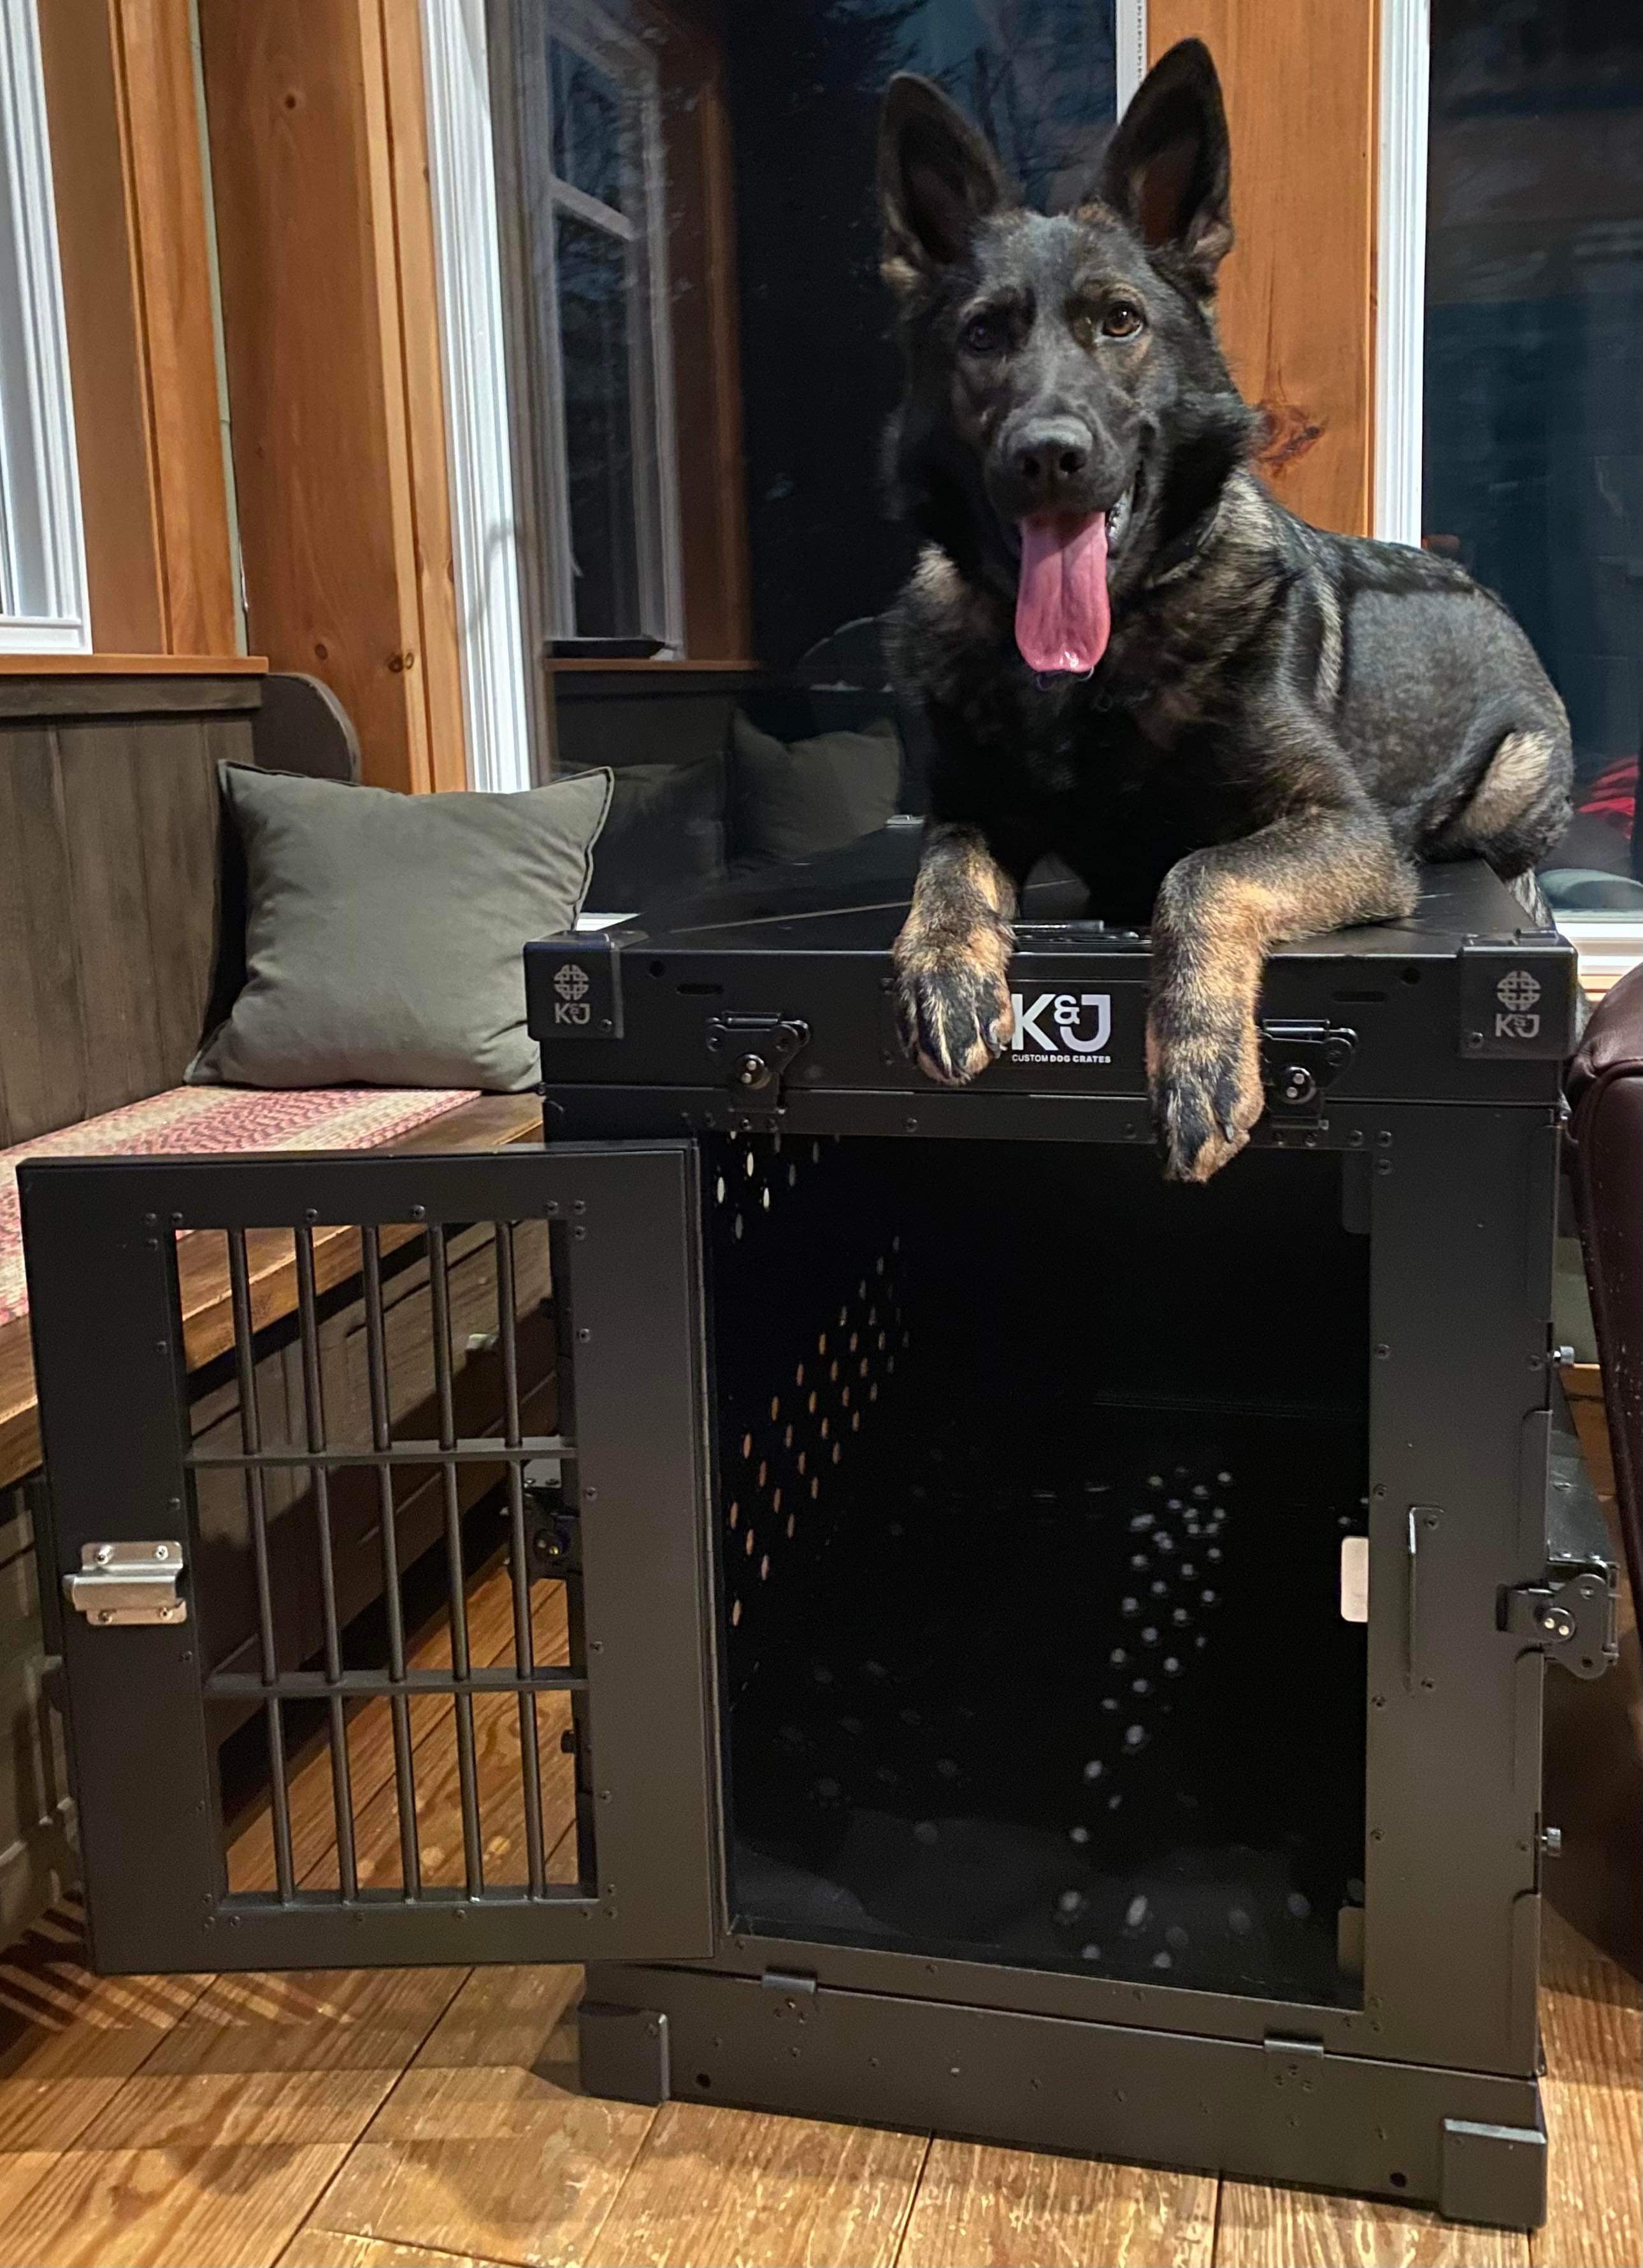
<point>1048,1655</point>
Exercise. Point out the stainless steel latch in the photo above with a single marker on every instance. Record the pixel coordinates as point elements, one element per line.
<point>129,1583</point>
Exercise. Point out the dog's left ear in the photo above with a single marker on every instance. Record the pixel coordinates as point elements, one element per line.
<point>1167,169</point>
<point>937,180</point>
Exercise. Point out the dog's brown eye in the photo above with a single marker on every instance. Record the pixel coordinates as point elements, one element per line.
<point>983,334</point>
<point>1121,321</point>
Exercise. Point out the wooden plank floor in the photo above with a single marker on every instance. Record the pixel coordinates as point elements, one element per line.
<point>383,2119</point>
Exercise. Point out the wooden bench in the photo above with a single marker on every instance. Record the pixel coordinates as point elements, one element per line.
<point>114,883</point>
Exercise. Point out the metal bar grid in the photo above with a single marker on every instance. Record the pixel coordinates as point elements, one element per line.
<point>466,1762</point>
<point>371,1685</point>
<point>376,1375</point>
<point>314,1419</point>
<point>256,1510</point>
<point>328,1683</point>
<point>475,1450</point>
<point>524,1654</point>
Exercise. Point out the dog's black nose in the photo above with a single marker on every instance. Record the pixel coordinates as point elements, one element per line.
<point>1049,457</point>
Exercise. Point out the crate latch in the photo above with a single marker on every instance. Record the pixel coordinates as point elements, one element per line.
<point>1570,1613</point>
<point>129,1583</point>
<point>752,1052</point>
<point>553,1534</point>
<point>1300,1057</point>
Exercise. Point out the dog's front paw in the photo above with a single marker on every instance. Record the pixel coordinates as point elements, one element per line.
<point>1206,1094</point>
<point>953,1004</point>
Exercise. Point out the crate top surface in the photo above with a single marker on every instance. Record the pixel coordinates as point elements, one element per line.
<point>854,900</point>
<point>1471,999</point>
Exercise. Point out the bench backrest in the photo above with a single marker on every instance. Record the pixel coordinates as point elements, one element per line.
<point>111,877</point>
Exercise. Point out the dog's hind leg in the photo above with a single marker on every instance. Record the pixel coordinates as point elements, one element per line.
<point>1519,804</point>
<point>952,956</point>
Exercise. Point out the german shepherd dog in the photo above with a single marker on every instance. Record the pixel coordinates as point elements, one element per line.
<point>1233,726</point>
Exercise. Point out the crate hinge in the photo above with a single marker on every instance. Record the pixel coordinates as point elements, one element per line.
<point>789,1980</point>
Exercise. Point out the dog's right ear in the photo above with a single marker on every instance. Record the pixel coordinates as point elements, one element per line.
<point>937,178</point>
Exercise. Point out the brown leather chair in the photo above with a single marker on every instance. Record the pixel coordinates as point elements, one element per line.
<point>1605,1155</point>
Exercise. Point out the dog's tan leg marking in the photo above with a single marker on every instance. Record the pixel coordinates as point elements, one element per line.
<point>952,957</point>
<point>1218,914</point>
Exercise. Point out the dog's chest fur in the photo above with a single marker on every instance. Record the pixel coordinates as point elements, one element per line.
<point>1122,773</point>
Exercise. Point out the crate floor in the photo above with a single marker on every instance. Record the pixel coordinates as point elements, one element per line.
<point>1097,1713</point>
<point>383,2119</point>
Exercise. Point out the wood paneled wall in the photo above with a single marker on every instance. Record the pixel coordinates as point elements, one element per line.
<point>108,882</point>
<point>133,234</point>
<point>320,161</point>
<point>1302,84</point>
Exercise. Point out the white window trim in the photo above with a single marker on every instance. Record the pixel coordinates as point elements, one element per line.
<point>1128,47</point>
<point>42,463</point>
<point>473,329</point>
<point>580,25</point>
<point>1400,344</point>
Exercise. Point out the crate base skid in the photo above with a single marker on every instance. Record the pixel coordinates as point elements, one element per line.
<point>1469,2143</point>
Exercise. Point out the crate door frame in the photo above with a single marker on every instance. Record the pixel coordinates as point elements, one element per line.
<point>114,1385</point>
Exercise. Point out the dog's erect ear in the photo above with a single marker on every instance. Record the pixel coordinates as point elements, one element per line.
<point>937,178</point>
<point>1167,169</point>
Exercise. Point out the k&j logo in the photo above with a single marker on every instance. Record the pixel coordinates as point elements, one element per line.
<point>1518,1018</point>
<point>1063,1027</point>
<point>571,983</point>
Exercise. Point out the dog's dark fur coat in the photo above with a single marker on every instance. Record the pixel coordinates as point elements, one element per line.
<point>1283,722</point>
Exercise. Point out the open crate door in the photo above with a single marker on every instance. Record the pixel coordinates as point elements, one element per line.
<point>428,1793</point>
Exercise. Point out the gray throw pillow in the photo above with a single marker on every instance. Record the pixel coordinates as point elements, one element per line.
<point>792,800</point>
<point>384,932</point>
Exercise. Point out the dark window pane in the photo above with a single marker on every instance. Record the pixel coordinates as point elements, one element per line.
<point>820,373</point>
<point>1533,457</point>
<point>593,333</point>
<point>589,123</point>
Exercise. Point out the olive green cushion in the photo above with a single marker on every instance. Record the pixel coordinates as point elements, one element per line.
<point>384,932</point>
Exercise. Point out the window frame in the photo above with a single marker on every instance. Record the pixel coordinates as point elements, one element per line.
<point>38,463</point>
<point>587,32</point>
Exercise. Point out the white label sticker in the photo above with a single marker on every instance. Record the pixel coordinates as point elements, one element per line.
<point>1354,1579</point>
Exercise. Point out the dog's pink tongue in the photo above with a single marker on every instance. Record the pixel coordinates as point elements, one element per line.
<point>1062,615</point>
